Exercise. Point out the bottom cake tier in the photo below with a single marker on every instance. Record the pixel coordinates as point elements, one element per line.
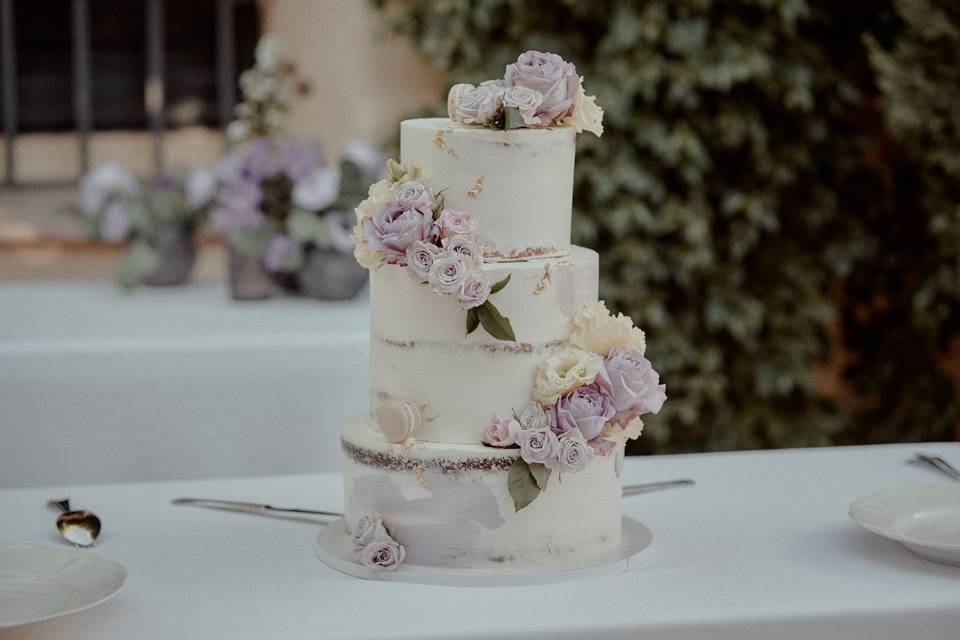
<point>449,505</point>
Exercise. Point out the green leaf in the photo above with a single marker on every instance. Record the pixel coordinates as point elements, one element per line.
<point>541,474</point>
<point>473,320</point>
<point>395,170</point>
<point>438,205</point>
<point>521,484</point>
<point>495,323</point>
<point>500,285</point>
<point>513,119</point>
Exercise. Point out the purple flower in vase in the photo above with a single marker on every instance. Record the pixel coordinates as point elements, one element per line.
<point>555,79</point>
<point>633,384</point>
<point>281,246</point>
<point>395,227</point>
<point>261,161</point>
<point>299,159</point>
<point>587,408</point>
<point>238,207</point>
<point>340,227</point>
<point>115,223</point>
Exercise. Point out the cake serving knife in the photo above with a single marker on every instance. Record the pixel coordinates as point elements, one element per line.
<point>281,512</point>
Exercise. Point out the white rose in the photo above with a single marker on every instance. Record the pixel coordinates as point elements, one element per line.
<point>525,100</point>
<point>594,329</point>
<point>269,52</point>
<point>447,272</point>
<point>477,105</point>
<point>379,195</point>
<point>318,190</point>
<point>575,453</point>
<point>102,183</point>
<point>587,114</point>
<point>454,98</point>
<point>368,259</point>
<point>420,257</point>
<point>467,247</point>
<point>413,193</point>
<point>534,417</point>
<point>564,371</point>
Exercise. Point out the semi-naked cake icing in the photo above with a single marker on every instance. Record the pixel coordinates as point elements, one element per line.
<point>502,390</point>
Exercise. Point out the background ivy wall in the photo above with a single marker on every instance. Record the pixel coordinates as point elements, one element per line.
<point>775,195</point>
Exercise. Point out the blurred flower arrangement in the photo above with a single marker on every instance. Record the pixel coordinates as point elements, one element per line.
<point>158,220</point>
<point>283,209</point>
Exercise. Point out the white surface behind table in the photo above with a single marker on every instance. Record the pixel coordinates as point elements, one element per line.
<point>761,547</point>
<point>98,385</point>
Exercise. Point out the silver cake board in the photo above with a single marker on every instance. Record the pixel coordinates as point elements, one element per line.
<point>335,548</point>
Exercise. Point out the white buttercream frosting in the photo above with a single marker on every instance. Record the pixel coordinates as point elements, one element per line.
<point>420,353</point>
<point>446,511</point>
<point>518,184</point>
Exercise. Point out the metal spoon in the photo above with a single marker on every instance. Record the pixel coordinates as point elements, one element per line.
<point>939,464</point>
<point>79,528</point>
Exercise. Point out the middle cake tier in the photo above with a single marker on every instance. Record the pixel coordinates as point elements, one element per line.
<point>420,353</point>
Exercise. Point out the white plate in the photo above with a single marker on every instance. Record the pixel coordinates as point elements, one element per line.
<point>924,519</point>
<point>336,550</point>
<point>40,582</point>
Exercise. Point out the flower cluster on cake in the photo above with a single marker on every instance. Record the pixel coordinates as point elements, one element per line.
<point>501,447</point>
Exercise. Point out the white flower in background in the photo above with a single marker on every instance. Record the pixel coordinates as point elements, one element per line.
<point>447,272</point>
<point>564,371</point>
<point>526,101</point>
<point>269,52</point>
<point>238,131</point>
<point>594,329</point>
<point>363,154</point>
<point>318,190</point>
<point>274,118</point>
<point>257,86</point>
<point>339,230</point>
<point>587,114</point>
<point>102,183</point>
<point>115,223</point>
<point>477,105</point>
<point>201,187</point>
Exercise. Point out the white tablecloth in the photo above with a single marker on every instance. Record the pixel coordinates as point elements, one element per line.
<point>761,548</point>
<point>101,386</point>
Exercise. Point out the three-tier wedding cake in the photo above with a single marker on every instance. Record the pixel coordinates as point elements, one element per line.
<point>502,390</point>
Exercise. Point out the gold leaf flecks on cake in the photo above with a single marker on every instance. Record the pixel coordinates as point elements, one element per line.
<point>441,142</point>
<point>477,187</point>
<point>418,474</point>
<point>544,281</point>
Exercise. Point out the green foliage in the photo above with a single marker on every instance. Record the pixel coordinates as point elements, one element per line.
<point>745,197</point>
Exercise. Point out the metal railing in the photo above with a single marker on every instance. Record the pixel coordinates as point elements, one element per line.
<point>154,86</point>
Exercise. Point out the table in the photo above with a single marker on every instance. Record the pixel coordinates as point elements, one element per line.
<point>761,548</point>
<point>98,385</point>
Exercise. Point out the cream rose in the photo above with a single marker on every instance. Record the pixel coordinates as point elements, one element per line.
<point>620,435</point>
<point>368,259</point>
<point>587,114</point>
<point>564,371</point>
<point>594,329</point>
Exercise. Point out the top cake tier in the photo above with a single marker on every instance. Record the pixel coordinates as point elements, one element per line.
<point>518,184</point>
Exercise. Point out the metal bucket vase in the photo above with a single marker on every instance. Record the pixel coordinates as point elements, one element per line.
<point>328,274</point>
<point>177,252</point>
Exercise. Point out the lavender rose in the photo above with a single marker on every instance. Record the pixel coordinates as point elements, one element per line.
<point>465,246</point>
<point>632,382</point>
<point>575,453</point>
<point>548,73</point>
<point>413,193</point>
<point>395,227</point>
<point>587,409</point>
<point>383,554</point>
<point>502,432</point>
<point>474,291</point>
<point>539,446</point>
<point>365,530</point>
<point>476,105</point>
<point>453,223</point>
<point>420,256</point>
<point>447,272</point>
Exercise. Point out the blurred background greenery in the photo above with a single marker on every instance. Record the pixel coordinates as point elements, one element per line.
<point>776,200</point>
